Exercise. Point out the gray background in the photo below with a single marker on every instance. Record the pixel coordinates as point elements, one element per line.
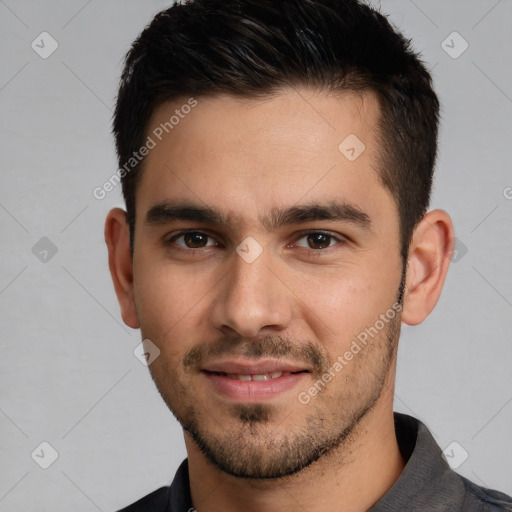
<point>68,373</point>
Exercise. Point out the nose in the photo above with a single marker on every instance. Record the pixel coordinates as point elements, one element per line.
<point>252,298</point>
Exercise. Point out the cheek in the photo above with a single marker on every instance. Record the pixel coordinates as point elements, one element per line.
<point>342,303</point>
<point>169,302</point>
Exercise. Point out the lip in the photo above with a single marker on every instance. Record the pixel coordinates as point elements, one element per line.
<point>252,390</point>
<point>244,367</point>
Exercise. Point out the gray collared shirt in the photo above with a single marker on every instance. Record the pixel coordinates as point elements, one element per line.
<point>427,484</point>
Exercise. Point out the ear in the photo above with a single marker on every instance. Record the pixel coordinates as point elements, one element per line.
<point>120,262</point>
<point>430,251</point>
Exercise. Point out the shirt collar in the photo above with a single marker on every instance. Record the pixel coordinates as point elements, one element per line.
<point>426,483</point>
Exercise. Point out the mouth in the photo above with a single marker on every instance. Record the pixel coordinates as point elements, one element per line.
<point>258,377</point>
<point>252,382</point>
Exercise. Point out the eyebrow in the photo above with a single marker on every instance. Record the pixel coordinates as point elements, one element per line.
<point>169,211</point>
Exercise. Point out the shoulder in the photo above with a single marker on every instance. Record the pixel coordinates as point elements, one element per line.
<point>154,502</point>
<point>484,500</point>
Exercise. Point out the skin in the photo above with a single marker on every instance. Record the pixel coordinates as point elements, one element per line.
<point>296,302</point>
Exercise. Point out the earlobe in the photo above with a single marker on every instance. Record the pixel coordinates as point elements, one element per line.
<point>120,262</point>
<point>428,262</point>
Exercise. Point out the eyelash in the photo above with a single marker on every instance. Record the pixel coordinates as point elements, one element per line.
<point>341,240</point>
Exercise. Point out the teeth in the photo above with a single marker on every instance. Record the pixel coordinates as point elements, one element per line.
<point>264,376</point>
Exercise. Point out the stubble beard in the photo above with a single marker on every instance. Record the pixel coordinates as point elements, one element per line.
<point>255,444</point>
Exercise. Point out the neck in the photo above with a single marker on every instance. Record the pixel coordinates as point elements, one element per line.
<point>351,478</point>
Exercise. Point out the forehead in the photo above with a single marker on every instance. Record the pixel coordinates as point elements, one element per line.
<point>249,156</point>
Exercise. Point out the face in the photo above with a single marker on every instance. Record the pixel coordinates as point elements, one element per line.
<point>266,270</point>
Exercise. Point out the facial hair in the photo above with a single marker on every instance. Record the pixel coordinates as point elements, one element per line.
<point>251,443</point>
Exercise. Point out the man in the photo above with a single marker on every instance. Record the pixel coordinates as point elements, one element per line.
<point>277,161</point>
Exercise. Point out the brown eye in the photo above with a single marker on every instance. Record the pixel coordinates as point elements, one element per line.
<point>319,240</point>
<point>192,240</point>
<point>195,240</point>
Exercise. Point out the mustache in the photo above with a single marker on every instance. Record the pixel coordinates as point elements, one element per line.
<point>313,355</point>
